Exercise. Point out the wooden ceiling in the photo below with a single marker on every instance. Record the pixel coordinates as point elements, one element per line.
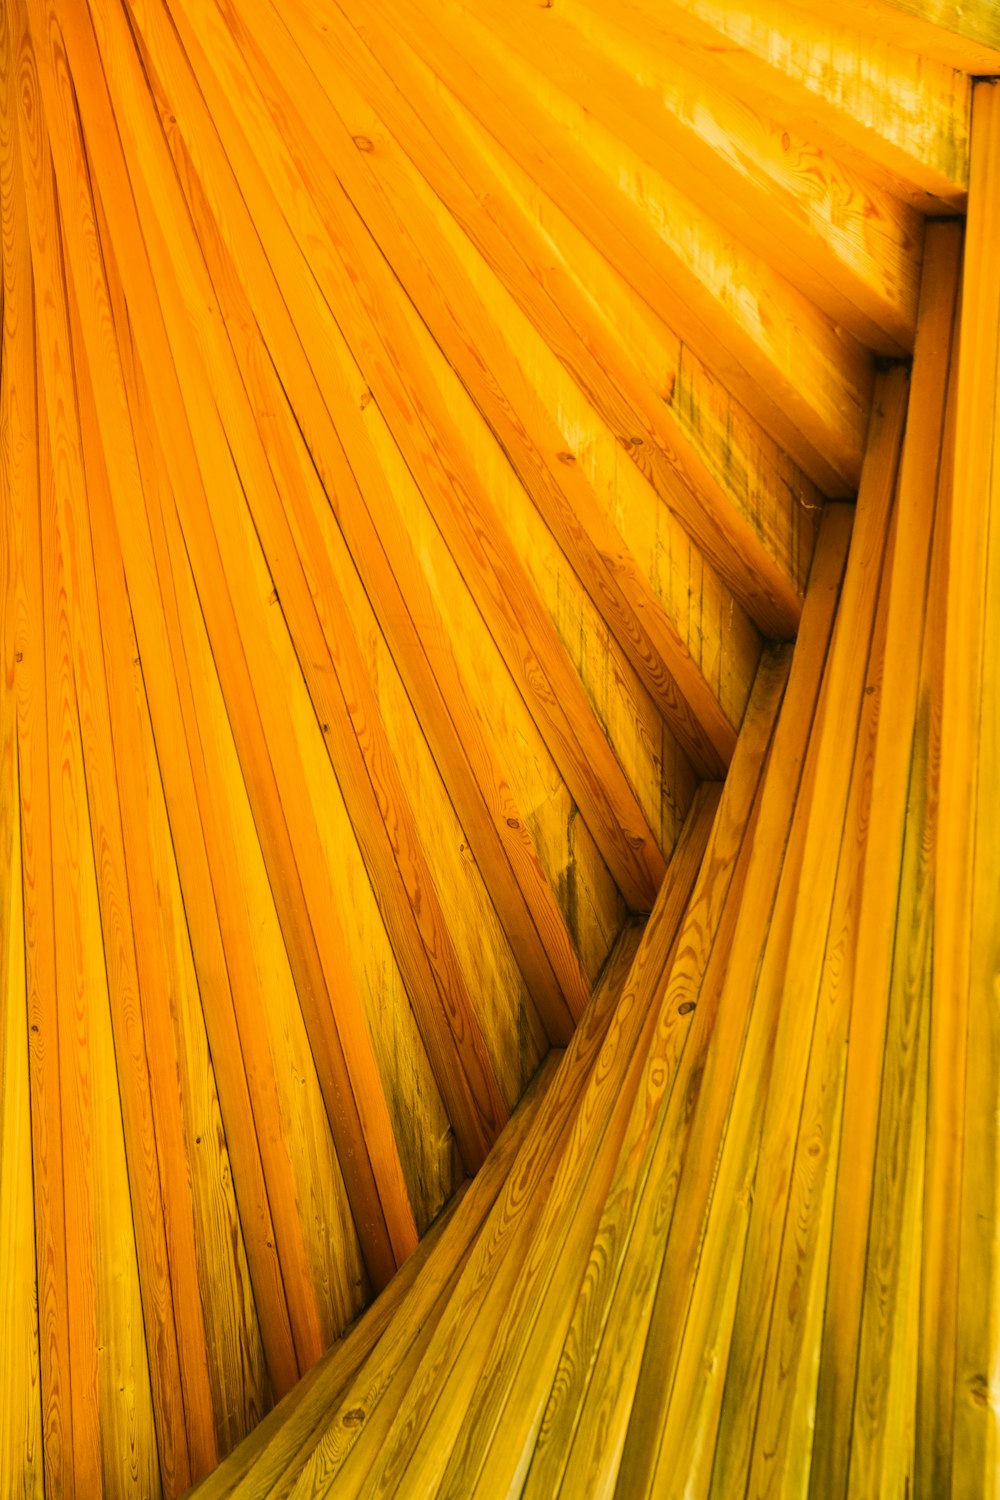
<point>414,420</point>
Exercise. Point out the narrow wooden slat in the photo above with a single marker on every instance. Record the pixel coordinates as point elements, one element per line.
<point>84,642</point>
<point>524,899</point>
<point>107,605</point>
<point>961,1313</point>
<point>364,762</point>
<point>964,36</point>
<point>532,1390</point>
<point>220,933</point>
<point>781,1306</point>
<point>21,1456</point>
<point>873,962</point>
<point>56,1261</point>
<point>677,1395</point>
<point>350,1428</point>
<point>804,909</point>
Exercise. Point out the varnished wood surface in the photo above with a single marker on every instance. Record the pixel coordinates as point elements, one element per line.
<point>417,424</point>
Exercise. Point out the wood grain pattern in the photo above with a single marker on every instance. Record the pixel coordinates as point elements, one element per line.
<point>418,433</point>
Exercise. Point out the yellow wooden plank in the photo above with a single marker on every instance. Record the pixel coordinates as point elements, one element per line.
<point>21,1460</point>
<point>161,966</point>
<point>787,1338</point>
<point>567,1416</point>
<point>678,1392</point>
<point>403,600</point>
<point>962,1314</point>
<point>56,1259</point>
<point>803,909</point>
<point>221,937</point>
<point>501,1381</point>
<point>84,641</point>
<point>528,1216</point>
<point>359,748</point>
<point>31,1318</point>
<point>398,863</point>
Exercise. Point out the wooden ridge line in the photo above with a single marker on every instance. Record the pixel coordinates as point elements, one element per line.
<point>965,1043</point>
<point>54,1258</point>
<point>878,913</point>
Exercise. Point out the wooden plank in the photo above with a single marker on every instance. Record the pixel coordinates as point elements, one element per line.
<point>529,1171</point>
<point>351,722</point>
<point>703,1181</point>
<point>454,733</point>
<point>83,640</point>
<point>852,247</point>
<point>587,1088</point>
<point>877,917</point>
<point>221,935</point>
<point>784,1344</point>
<point>552,1388</point>
<point>56,1260</point>
<point>962,1314</point>
<point>678,262</point>
<point>21,1455</point>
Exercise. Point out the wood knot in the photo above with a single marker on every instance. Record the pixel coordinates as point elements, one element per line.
<point>566,458</point>
<point>364,143</point>
<point>513,822</point>
<point>686,1008</point>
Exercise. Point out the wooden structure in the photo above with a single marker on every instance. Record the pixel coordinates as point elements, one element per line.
<point>499,601</point>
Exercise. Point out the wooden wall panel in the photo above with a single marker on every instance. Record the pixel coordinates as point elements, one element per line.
<point>407,468</point>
